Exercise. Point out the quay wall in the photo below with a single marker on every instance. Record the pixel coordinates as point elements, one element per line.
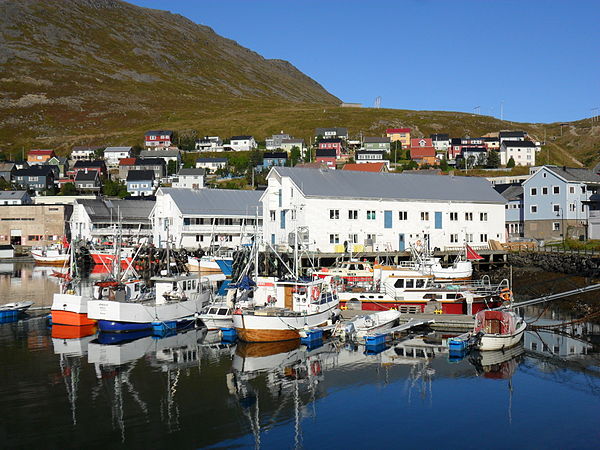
<point>586,265</point>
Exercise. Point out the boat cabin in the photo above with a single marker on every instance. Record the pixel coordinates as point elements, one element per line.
<point>177,287</point>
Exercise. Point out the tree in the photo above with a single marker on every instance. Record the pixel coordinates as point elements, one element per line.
<point>482,159</point>
<point>511,163</point>
<point>172,167</point>
<point>187,140</point>
<point>395,147</point>
<point>68,189</point>
<point>99,153</point>
<point>294,156</point>
<point>112,188</point>
<point>136,150</point>
<point>5,185</point>
<point>444,165</point>
<point>493,160</point>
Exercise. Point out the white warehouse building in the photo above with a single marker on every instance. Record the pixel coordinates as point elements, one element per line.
<point>205,218</point>
<point>360,211</point>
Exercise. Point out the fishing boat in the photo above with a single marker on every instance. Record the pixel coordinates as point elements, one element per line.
<point>106,256</point>
<point>361,326</point>
<point>293,306</point>
<point>351,271</point>
<point>178,299</point>
<point>17,307</point>
<point>497,330</point>
<point>51,255</point>
<point>217,315</point>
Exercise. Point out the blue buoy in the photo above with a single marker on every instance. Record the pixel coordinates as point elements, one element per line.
<point>228,334</point>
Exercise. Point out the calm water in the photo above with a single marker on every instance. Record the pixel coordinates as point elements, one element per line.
<point>190,391</point>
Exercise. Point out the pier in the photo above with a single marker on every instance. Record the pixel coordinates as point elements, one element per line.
<point>439,322</point>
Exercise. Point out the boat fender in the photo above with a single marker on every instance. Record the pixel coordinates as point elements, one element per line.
<point>315,368</point>
<point>316,293</point>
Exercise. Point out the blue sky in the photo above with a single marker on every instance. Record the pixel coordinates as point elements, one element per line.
<point>539,59</point>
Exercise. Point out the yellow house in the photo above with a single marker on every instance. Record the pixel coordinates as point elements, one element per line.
<point>399,134</point>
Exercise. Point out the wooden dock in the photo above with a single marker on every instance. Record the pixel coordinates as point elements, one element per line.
<point>441,322</point>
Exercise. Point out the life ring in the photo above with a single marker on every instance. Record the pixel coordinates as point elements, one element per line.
<point>315,367</point>
<point>237,311</point>
<point>316,293</point>
<point>506,295</point>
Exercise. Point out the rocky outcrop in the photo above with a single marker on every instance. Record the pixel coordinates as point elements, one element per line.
<point>569,263</point>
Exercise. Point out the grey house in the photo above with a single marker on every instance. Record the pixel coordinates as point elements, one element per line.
<point>36,178</point>
<point>88,181</point>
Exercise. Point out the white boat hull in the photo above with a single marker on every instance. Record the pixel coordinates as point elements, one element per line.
<point>216,323</point>
<point>500,342</point>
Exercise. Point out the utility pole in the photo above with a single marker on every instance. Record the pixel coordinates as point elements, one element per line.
<point>502,110</point>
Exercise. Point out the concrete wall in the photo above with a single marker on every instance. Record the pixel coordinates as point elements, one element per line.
<point>33,225</point>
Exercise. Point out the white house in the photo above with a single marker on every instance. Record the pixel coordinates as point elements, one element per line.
<point>211,164</point>
<point>96,219</point>
<point>523,152</point>
<point>82,152</point>
<point>15,198</point>
<point>210,144</point>
<point>288,144</point>
<point>511,136</point>
<point>189,179</point>
<point>440,141</point>
<point>206,218</point>
<point>242,143</point>
<point>112,155</point>
<point>365,211</point>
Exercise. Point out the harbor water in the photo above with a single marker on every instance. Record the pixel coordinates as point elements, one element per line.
<point>192,390</point>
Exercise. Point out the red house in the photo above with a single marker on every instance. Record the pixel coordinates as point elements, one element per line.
<point>335,144</point>
<point>326,156</point>
<point>422,151</point>
<point>88,166</point>
<point>39,156</point>
<point>158,139</point>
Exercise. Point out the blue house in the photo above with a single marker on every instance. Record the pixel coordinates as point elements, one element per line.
<point>140,183</point>
<point>36,178</point>
<point>513,193</point>
<point>555,202</point>
<point>271,159</point>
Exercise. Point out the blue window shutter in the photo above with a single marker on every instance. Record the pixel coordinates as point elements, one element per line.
<point>273,239</point>
<point>282,224</point>
<point>387,219</point>
<point>401,243</point>
<point>438,220</point>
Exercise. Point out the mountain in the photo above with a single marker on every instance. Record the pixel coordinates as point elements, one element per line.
<point>104,71</point>
<point>66,64</point>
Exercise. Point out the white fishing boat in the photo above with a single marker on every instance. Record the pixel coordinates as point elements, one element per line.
<point>293,306</point>
<point>497,330</point>
<point>51,255</point>
<point>217,315</point>
<point>378,322</point>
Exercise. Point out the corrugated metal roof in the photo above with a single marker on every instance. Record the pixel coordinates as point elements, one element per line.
<point>225,202</point>
<point>100,210</point>
<point>117,149</point>
<point>575,174</point>
<point>390,186</point>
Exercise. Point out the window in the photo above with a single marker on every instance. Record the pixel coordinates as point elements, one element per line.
<point>583,189</point>
<point>582,208</point>
<point>454,238</point>
<point>555,226</point>
<point>533,209</point>
<point>334,214</point>
<point>353,214</point>
<point>272,215</point>
<point>469,216</point>
<point>353,238</point>
<point>572,207</point>
<point>571,189</point>
<point>334,238</point>
<point>544,190</point>
<point>372,237</point>
<point>453,216</point>
<point>410,283</point>
<point>555,208</point>
<point>483,237</point>
<point>370,215</point>
<point>469,237</point>
<point>533,191</point>
<point>483,217</point>
<point>402,215</point>
<point>424,215</point>
<point>272,239</point>
<point>293,214</point>
<point>556,189</point>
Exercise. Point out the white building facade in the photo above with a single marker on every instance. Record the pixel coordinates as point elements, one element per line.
<point>337,211</point>
<point>189,178</point>
<point>522,152</point>
<point>242,143</point>
<point>112,155</point>
<point>205,218</point>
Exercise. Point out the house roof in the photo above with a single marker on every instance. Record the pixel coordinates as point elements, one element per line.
<point>240,138</point>
<point>575,174</point>
<point>474,149</point>
<point>117,149</point>
<point>326,153</point>
<point>59,159</point>
<point>366,167</point>
<point>275,155</point>
<point>12,195</point>
<point>416,142</point>
<point>191,171</point>
<point>158,132</point>
<point>338,130</point>
<point>41,152</point>
<point>439,137</point>
<point>89,163</point>
<point>89,148</point>
<point>422,152</point>
<point>140,175</point>
<point>510,192</point>
<point>369,152</point>
<point>7,166</point>
<point>211,160</point>
<point>397,130</point>
<point>160,153</point>
<point>292,141</point>
<point>110,210</point>
<point>504,134</point>
<point>149,162</point>
<point>86,176</point>
<point>35,171</point>
<point>228,202</point>
<point>127,161</point>
<point>330,141</point>
<point>519,144</point>
<point>376,140</point>
<point>392,186</point>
